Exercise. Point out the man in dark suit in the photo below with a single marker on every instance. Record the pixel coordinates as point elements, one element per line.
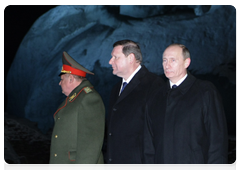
<point>125,119</point>
<point>185,117</point>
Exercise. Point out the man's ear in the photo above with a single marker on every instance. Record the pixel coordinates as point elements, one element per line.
<point>131,57</point>
<point>187,62</point>
<point>71,78</point>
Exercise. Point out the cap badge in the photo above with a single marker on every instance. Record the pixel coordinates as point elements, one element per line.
<point>64,71</point>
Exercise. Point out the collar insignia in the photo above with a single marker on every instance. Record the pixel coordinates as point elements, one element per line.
<point>72,97</point>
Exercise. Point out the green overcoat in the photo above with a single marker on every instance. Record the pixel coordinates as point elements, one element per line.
<point>78,132</point>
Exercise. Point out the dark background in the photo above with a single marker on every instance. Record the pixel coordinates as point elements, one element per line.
<point>20,149</point>
<point>18,19</point>
<point>17,22</point>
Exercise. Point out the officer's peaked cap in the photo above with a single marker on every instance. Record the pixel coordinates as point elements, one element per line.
<point>73,67</point>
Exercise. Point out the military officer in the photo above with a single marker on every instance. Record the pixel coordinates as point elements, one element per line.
<point>78,132</point>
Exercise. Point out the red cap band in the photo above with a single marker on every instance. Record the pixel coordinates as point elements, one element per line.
<point>71,70</point>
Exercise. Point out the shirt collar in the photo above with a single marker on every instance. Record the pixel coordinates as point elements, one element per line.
<point>179,81</point>
<point>132,75</point>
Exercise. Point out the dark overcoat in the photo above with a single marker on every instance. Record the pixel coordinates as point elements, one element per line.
<point>126,118</point>
<point>78,132</point>
<point>187,124</point>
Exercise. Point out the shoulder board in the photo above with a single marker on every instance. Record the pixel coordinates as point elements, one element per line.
<point>87,89</point>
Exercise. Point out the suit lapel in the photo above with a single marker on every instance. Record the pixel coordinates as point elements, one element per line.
<point>132,84</point>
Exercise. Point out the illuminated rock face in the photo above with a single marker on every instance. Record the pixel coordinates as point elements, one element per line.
<point>87,34</point>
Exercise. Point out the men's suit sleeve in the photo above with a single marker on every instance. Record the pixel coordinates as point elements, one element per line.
<point>91,122</point>
<point>148,147</point>
<point>216,127</point>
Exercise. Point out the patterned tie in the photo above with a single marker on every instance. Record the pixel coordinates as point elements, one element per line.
<point>174,86</point>
<point>123,86</point>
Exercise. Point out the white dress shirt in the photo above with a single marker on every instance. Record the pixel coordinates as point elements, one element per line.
<point>130,77</point>
<point>179,81</point>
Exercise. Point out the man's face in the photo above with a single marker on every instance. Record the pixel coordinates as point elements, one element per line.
<point>119,62</point>
<point>174,65</point>
<point>65,84</point>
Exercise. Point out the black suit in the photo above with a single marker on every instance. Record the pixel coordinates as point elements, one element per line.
<point>126,118</point>
<point>187,124</point>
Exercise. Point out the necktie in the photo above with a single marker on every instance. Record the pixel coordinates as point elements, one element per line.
<point>123,86</point>
<point>174,86</point>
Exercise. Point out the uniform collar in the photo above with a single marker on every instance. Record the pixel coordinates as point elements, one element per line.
<point>84,83</point>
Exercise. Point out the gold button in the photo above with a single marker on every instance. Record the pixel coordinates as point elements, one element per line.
<point>56,136</point>
<point>55,155</point>
<point>58,118</point>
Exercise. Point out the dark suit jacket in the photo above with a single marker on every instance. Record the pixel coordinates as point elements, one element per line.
<point>126,118</point>
<point>187,124</point>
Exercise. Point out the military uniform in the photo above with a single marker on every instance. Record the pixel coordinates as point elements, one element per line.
<point>79,128</point>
